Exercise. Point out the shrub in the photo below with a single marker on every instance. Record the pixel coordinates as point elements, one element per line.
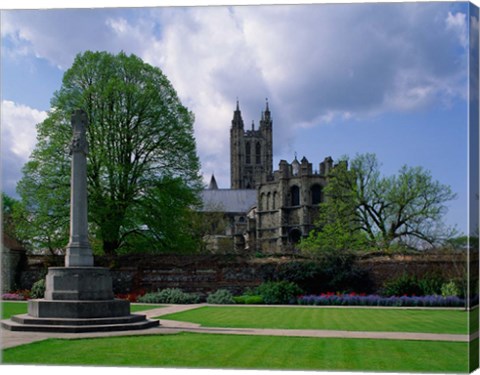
<point>279,292</point>
<point>248,300</point>
<point>240,300</point>
<point>403,285</point>
<point>340,272</point>
<point>431,285</point>
<point>220,297</point>
<point>331,271</point>
<point>450,289</point>
<point>38,289</point>
<point>254,300</point>
<point>170,296</point>
<point>410,285</point>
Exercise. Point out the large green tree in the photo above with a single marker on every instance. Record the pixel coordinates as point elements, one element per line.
<point>143,170</point>
<point>364,209</point>
<point>8,222</point>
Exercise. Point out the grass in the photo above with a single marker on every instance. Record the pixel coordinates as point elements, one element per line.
<point>16,308</point>
<point>197,350</point>
<point>13,308</point>
<point>137,308</point>
<point>354,319</point>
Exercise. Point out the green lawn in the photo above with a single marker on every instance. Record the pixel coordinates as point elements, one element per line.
<point>16,308</point>
<point>137,308</point>
<point>196,350</point>
<point>353,319</point>
<point>13,308</point>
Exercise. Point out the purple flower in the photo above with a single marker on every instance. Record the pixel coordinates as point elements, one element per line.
<point>12,297</point>
<point>376,300</point>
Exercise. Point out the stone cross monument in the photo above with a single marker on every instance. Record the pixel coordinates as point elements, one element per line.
<point>79,253</point>
<point>78,297</point>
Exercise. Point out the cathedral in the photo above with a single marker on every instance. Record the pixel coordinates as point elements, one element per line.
<point>265,210</point>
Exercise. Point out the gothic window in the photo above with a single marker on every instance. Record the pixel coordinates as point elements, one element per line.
<point>316,191</point>
<point>258,153</point>
<point>295,195</point>
<point>268,201</point>
<point>247,153</point>
<point>274,200</point>
<point>294,236</point>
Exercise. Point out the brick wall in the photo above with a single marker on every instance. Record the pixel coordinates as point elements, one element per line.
<point>207,273</point>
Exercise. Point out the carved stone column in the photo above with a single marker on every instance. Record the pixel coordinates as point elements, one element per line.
<point>79,253</point>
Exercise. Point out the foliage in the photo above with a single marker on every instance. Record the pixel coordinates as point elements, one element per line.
<point>331,270</point>
<point>462,243</point>
<point>403,285</point>
<point>450,289</point>
<point>303,273</point>
<point>278,292</point>
<point>339,272</point>
<point>38,289</point>
<point>411,285</point>
<point>431,284</point>
<point>375,300</point>
<point>170,296</point>
<point>8,222</point>
<point>364,210</point>
<point>220,297</point>
<point>142,164</point>
<point>248,300</point>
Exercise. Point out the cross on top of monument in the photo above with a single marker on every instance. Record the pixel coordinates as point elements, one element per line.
<point>79,121</point>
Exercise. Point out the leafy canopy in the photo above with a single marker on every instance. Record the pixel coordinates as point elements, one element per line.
<point>365,210</point>
<point>143,170</point>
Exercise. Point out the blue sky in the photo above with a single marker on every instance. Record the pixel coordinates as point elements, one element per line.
<point>341,79</point>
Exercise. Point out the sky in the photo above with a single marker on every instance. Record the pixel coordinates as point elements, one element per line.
<point>341,79</point>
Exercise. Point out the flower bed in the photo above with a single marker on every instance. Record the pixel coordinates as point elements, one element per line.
<point>13,297</point>
<point>132,296</point>
<point>376,300</point>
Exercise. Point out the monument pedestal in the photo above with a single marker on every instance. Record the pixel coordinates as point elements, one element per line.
<point>78,283</point>
<point>78,299</point>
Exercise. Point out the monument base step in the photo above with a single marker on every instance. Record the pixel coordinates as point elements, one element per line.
<point>43,308</point>
<point>26,323</point>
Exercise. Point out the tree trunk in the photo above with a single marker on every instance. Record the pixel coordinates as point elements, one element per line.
<point>110,247</point>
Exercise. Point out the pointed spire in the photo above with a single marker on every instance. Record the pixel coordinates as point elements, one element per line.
<point>266,115</point>
<point>295,166</point>
<point>237,117</point>
<point>213,183</point>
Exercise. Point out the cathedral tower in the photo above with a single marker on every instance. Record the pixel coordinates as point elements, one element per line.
<point>251,151</point>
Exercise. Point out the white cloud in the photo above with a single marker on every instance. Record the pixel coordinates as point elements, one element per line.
<point>18,139</point>
<point>316,64</point>
<point>19,134</point>
<point>458,23</point>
